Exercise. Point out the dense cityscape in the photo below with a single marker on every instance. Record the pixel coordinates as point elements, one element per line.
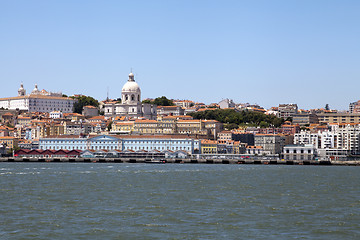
<point>47,124</point>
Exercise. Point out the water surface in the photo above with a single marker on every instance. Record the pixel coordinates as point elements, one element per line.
<point>178,201</point>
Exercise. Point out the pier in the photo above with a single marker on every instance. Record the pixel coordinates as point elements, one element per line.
<point>183,161</point>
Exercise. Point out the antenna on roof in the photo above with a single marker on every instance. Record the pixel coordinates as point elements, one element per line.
<point>107,94</point>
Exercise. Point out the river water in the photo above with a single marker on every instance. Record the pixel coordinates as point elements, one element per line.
<point>178,201</point>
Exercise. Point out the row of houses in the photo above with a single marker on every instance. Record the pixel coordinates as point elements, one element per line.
<point>168,125</point>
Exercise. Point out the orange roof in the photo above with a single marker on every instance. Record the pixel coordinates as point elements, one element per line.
<point>254,147</point>
<point>145,121</point>
<point>124,123</point>
<point>189,120</point>
<point>205,141</point>
<point>206,109</point>
<point>97,118</point>
<point>89,106</point>
<point>7,138</point>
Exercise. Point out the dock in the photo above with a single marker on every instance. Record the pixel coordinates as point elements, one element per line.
<point>183,161</point>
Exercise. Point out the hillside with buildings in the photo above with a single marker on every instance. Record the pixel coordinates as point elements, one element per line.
<point>50,124</point>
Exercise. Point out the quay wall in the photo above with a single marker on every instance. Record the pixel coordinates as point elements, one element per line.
<point>183,161</point>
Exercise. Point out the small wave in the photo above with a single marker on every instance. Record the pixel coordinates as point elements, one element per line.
<point>25,173</point>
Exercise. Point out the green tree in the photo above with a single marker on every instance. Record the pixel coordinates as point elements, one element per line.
<point>84,101</point>
<point>163,101</point>
<point>147,101</point>
<point>231,126</point>
<point>109,126</point>
<point>248,118</point>
<point>160,101</point>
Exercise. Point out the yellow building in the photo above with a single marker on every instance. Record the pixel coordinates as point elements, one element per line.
<point>122,127</point>
<point>10,142</point>
<point>209,147</point>
<point>24,121</point>
<point>146,127</point>
<point>339,117</point>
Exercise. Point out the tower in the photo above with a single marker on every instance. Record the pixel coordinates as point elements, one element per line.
<point>131,93</point>
<point>21,91</point>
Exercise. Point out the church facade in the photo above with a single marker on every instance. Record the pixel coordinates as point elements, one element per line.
<point>131,105</point>
<point>38,101</point>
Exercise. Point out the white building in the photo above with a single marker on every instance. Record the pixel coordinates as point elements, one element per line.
<point>131,104</point>
<point>347,137</point>
<point>226,103</point>
<point>38,101</point>
<point>319,140</point>
<point>56,114</point>
<point>299,152</point>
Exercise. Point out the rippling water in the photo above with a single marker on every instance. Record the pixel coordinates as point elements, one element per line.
<point>178,201</point>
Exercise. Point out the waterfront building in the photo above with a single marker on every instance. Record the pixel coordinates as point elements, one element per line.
<point>123,142</point>
<point>256,150</point>
<point>209,147</point>
<point>320,140</point>
<point>272,143</point>
<point>38,101</point>
<point>130,105</point>
<point>299,152</point>
<point>347,137</point>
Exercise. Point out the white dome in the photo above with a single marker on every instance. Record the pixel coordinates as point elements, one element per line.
<point>131,87</point>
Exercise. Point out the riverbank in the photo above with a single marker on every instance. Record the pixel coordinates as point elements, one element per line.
<point>184,161</point>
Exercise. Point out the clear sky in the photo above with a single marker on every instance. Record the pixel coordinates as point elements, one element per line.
<point>265,52</point>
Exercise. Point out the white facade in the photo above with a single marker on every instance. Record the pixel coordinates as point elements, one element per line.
<point>226,103</point>
<point>319,140</point>
<point>131,104</point>
<point>38,101</point>
<point>56,114</point>
<point>299,152</point>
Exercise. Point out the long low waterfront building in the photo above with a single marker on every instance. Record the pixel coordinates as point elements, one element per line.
<point>114,142</point>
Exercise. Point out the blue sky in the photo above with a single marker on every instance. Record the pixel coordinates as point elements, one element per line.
<point>264,52</point>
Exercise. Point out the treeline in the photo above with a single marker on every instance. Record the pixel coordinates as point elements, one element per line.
<point>84,101</point>
<point>160,101</point>
<point>233,119</point>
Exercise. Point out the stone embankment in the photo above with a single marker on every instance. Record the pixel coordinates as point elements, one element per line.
<point>189,161</point>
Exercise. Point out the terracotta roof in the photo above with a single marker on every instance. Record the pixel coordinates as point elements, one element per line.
<point>124,123</point>
<point>254,147</point>
<point>145,121</point>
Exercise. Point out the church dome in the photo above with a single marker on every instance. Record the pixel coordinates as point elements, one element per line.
<point>131,85</point>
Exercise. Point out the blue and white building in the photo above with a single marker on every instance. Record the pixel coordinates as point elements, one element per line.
<point>109,142</point>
